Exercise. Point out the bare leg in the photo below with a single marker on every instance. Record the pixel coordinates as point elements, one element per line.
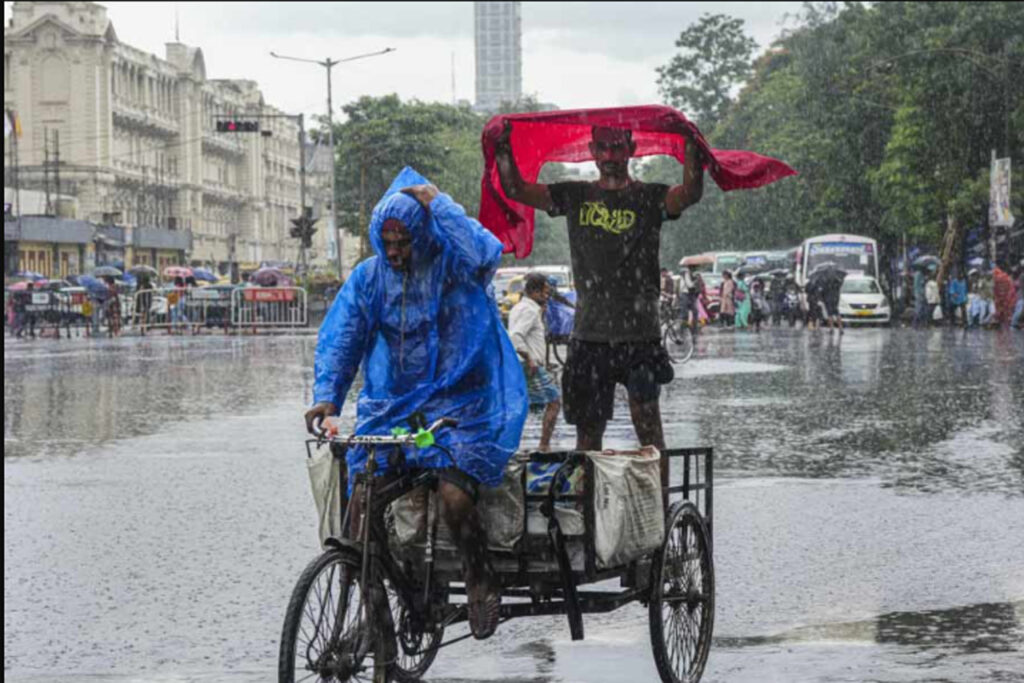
<point>548,424</point>
<point>647,423</point>
<point>482,591</point>
<point>589,437</point>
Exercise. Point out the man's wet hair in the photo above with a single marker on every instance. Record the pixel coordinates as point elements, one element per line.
<point>535,282</point>
<point>625,133</point>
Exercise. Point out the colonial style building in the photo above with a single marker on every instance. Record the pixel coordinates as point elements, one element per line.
<point>132,137</point>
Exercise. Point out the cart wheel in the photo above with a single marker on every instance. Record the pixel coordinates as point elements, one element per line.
<point>325,633</point>
<point>417,648</point>
<point>678,341</point>
<point>682,602</point>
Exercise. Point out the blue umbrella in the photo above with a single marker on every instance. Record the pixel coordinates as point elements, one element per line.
<point>92,284</point>
<point>204,274</point>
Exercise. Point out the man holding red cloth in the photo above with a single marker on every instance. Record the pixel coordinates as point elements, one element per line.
<point>614,236</point>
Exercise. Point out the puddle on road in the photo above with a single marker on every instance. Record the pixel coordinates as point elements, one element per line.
<point>993,627</point>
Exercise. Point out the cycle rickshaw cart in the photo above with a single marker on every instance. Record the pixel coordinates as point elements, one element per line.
<point>365,610</point>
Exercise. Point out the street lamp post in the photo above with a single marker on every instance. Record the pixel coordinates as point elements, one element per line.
<point>329,64</point>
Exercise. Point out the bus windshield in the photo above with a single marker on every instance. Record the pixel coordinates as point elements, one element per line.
<point>724,262</point>
<point>848,256</point>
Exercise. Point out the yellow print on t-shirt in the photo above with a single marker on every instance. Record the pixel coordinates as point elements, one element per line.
<point>597,215</point>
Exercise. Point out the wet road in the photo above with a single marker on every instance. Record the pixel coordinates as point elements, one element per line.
<point>869,511</point>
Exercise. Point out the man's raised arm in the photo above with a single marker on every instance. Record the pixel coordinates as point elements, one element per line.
<point>517,189</point>
<point>679,197</point>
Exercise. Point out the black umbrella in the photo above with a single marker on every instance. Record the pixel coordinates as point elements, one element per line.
<point>826,275</point>
<point>144,270</point>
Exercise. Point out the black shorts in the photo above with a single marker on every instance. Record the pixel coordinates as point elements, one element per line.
<point>832,307</point>
<point>592,370</point>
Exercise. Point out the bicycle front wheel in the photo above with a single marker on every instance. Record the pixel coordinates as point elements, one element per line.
<point>678,341</point>
<point>325,635</point>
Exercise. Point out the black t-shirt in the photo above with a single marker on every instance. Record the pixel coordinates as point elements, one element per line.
<point>614,239</point>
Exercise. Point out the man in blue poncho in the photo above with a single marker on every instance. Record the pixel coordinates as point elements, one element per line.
<point>417,319</point>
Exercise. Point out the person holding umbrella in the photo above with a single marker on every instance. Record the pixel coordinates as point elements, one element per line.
<point>831,292</point>
<point>144,276</point>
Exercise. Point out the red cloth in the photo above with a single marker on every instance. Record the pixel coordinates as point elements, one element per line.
<point>564,136</point>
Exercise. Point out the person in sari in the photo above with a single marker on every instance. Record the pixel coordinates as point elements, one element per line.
<point>742,297</point>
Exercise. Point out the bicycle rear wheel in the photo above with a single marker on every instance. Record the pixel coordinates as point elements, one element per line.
<point>682,600</point>
<point>678,341</point>
<point>325,635</point>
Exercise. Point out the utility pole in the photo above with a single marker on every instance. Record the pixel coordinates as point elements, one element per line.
<point>56,165</point>
<point>48,210</point>
<point>335,233</point>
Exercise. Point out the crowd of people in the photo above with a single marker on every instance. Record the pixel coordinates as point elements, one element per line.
<point>982,299</point>
<point>744,301</point>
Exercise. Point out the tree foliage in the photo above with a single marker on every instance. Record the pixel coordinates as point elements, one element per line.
<point>715,58</point>
<point>889,112</point>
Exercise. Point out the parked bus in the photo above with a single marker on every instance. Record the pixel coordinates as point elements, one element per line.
<point>852,253</point>
<point>727,260</point>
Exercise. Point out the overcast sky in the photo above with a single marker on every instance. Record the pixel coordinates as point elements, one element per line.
<point>575,54</point>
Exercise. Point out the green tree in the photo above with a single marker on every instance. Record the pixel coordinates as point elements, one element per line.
<point>383,134</point>
<point>715,58</point>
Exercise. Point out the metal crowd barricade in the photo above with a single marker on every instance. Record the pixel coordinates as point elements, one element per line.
<point>255,307</point>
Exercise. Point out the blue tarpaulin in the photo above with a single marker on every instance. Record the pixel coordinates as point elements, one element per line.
<point>428,340</point>
<point>559,318</point>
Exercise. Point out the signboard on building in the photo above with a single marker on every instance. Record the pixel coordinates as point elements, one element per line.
<point>999,194</point>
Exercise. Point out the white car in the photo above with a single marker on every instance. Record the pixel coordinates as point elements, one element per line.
<point>861,300</point>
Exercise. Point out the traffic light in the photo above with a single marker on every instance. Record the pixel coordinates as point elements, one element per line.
<point>302,228</point>
<point>238,126</point>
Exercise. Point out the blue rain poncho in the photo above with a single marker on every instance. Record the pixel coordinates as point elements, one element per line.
<point>428,340</point>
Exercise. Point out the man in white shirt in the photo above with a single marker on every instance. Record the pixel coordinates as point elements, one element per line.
<point>526,329</point>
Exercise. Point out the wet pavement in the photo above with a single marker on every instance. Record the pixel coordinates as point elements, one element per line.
<point>869,511</point>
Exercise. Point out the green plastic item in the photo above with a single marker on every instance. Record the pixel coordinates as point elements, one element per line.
<point>423,438</point>
<point>399,431</point>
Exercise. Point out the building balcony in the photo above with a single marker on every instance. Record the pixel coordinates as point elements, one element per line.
<point>145,119</point>
<point>224,143</point>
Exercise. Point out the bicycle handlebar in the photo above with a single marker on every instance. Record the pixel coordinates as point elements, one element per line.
<point>391,440</point>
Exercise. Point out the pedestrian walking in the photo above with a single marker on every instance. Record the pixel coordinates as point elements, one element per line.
<point>931,299</point>
<point>176,306</point>
<point>1018,311</point>
<point>742,298</point>
<point>813,293</point>
<point>526,329</point>
<point>113,308</point>
<point>143,302</point>
<point>23,315</point>
<point>727,305</point>
<point>956,297</point>
<point>1004,297</point>
<point>920,302</point>
<point>759,305</point>
<point>689,295</point>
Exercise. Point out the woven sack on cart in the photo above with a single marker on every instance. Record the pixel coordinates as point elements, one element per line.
<point>325,480</point>
<point>629,516</point>
<point>500,509</point>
